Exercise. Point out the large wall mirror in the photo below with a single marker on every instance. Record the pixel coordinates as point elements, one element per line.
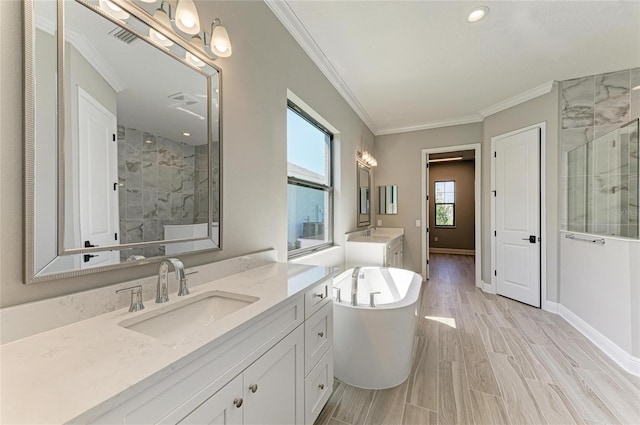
<point>364,195</point>
<point>122,139</point>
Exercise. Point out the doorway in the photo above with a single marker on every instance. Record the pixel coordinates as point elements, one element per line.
<point>517,202</point>
<point>446,210</point>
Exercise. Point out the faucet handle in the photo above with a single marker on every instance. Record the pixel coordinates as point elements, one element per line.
<point>184,290</point>
<point>137,291</point>
<point>372,297</point>
<point>338,295</point>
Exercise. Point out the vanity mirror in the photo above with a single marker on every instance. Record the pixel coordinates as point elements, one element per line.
<point>388,199</point>
<point>122,136</point>
<point>364,195</point>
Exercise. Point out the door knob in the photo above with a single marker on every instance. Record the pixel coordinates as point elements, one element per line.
<point>237,402</point>
<point>253,388</point>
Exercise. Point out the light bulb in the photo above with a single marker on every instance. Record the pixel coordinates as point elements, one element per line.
<point>194,60</point>
<point>113,9</point>
<point>220,43</point>
<point>187,19</point>
<point>160,16</point>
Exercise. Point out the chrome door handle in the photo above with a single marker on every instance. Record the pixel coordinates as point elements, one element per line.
<point>320,334</point>
<point>531,239</point>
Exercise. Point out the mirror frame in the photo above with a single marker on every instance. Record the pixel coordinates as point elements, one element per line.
<point>362,223</point>
<point>29,114</point>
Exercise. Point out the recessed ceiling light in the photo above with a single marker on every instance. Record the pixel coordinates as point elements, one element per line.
<point>186,134</point>
<point>148,141</point>
<point>478,13</point>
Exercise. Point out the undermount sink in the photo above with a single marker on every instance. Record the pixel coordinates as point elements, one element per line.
<point>189,315</point>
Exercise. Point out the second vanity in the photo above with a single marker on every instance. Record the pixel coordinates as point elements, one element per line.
<point>379,247</point>
<point>266,360</point>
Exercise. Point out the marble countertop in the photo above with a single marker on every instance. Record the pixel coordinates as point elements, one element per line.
<point>83,370</point>
<point>379,235</point>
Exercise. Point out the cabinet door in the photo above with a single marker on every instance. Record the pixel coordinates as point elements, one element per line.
<point>274,384</point>
<point>224,407</point>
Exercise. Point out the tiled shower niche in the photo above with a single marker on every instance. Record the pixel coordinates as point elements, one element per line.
<point>161,182</point>
<point>603,184</point>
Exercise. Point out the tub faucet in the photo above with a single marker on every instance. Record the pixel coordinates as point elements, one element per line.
<point>354,286</point>
<point>162,290</point>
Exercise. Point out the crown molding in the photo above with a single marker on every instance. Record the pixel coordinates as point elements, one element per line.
<point>517,99</point>
<point>288,18</point>
<point>435,124</point>
<point>95,59</point>
<point>292,23</point>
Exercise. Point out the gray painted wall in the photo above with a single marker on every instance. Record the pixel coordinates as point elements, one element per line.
<point>400,162</point>
<point>266,62</point>
<point>462,236</point>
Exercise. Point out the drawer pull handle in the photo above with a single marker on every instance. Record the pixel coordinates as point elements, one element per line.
<point>253,388</point>
<point>321,296</point>
<point>320,334</point>
<point>237,402</point>
<point>321,386</point>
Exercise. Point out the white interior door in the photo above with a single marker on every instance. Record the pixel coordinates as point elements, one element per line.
<point>98,177</point>
<point>517,216</point>
<point>426,220</point>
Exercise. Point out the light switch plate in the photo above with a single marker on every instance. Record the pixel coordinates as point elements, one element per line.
<point>418,224</point>
<point>379,222</point>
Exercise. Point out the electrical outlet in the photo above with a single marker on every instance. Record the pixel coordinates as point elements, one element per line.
<point>435,239</point>
<point>379,222</point>
<point>418,223</point>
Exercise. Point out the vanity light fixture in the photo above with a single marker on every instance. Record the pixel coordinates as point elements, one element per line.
<point>113,9</point>
<point>457,158</point>
<point>477,14</point>
<point>367,158</point>
<point>220,44</point>
<point>187,19</point>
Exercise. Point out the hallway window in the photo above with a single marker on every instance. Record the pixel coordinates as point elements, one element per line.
<point>445,204</point>
<point>310,180</point>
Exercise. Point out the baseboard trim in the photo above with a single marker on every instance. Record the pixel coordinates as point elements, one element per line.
<point>454,251</point>
<point>488,288</point>
<point>625,360</point>
<point>551,307</point>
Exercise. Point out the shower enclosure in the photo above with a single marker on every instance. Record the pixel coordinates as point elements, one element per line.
<point>603,184</point>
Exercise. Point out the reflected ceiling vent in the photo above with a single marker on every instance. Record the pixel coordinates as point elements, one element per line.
<point>184,99</point>
<point>123,35</point>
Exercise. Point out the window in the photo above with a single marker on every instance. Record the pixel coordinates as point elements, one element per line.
<point>310,180</point>
<point>445,204</point>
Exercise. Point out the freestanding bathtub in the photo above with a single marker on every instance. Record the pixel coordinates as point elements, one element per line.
<point>373,345</point>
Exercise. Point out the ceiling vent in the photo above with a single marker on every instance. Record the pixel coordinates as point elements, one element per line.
<point>123,35</point>
<point>184,99</point>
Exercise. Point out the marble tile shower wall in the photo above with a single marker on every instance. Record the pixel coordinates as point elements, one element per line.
<point>591,107</point>
<point>161,182</point>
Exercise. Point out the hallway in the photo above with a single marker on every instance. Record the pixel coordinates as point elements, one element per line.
<point>485,359</point>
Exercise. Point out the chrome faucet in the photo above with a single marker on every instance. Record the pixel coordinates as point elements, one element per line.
<point>162,290</point>
<point>354,286</point>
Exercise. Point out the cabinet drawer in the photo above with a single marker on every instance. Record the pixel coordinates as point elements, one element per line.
<point>316,296</point>
<point>318,336</point>
<point>318,387</point>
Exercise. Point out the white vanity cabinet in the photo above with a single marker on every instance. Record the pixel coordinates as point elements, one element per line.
<point>375,252</point>
<point>270,391</point>
<point>277,370</point>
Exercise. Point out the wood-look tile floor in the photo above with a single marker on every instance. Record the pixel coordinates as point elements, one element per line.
<point>485,359</point>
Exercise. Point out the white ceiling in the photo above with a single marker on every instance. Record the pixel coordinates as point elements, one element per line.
<point>407,65</point>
